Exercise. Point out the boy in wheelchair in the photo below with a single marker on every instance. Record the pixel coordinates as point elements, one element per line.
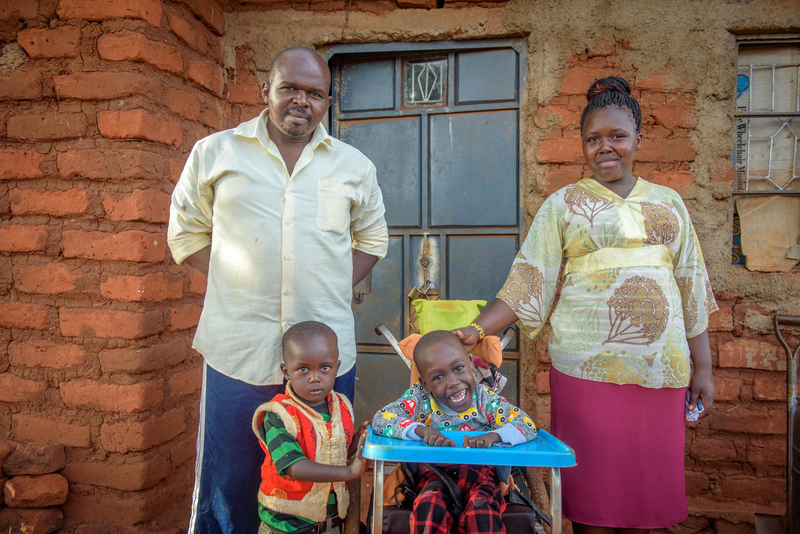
<point>447,398</point>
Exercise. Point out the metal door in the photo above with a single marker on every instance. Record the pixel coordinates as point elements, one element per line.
<point>441,123</point>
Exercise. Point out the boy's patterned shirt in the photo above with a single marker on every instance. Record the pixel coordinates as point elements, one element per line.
<point>488,411</point>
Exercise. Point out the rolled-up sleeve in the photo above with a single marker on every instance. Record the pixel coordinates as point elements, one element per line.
<point>367,221</point>
<point>191,210</point>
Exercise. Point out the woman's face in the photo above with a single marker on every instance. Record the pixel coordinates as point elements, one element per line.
<point>609,140</point>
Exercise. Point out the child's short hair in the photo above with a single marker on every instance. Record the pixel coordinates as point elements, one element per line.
<point>434,338</point>
<point>612,91</point>
<point>305,330</point>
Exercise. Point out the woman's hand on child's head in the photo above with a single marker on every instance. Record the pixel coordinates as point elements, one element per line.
<point>468,336</point>
<point>433,437</point>
<point>483,441</point>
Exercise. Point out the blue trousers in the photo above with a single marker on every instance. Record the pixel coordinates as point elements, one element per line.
<point>229,458</point>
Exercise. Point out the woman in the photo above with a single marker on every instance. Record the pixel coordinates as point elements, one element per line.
<point>633,309</point>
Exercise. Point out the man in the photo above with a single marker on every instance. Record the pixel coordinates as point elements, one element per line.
<point>283,199</point>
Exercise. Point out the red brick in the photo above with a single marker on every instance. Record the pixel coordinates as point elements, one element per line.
<point>738,527</point>
<point>727,388</point>
<point>147,10</point>
<point>49,428</point>
<point>19,165</point>
<point>106,85</point>
<point>696,482</point>
<point>680,181</point>
<point>144,359</point>
<point>23,315</point>
<point>185,382</point>
<point>543,382</point>
<point>757,319</point>
<point>19,10</point>
<point>672,117</point>
<point>666,150</point>
<point>713,450</point>
<point>660,82</point>
<point>131,245</point>
<point>766,451</point>
<point>151,287</point>
<point>139,124</point>
<point>183,104</point>
<point>183,317</point>
<point>17,389</point>
<point>31,521</point>
<point>48,278</point>
<point>197,282</point>
<point>58,42</point>
<point>36,491</point>
<point>132,475</point>
<point>247,92</point>
<point>45,354</point>
<point>6,447</point>
<point>175,169</point>
<point>132,46</point>
<point>19,238</point>
<point>140,436</point>
<point>212,114</point>
<point>138,397</point>
<point>188,33</point>
<point>721,320</point>
<point>208,76</point>
<point>209,11</point>
<point>20,85</point>
<point>577,80</point>
<point>566,150</point>
<point>725,171</point>
<point>110,324</point>
<point>739,419</point>
<point>183,450</point>
<point>39,127</point>
<point>560,116</point>
<point>35,459</point>
<point>53,203</point>
<point>419,4</point>
<point>769,387</point>
<point>749,488</point>
<point>559,176</point>
<point>103,164</point>
<point>140,205</point>
<point>751,354</point>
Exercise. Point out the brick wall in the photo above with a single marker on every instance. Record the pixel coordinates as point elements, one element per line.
<point>101,103</point>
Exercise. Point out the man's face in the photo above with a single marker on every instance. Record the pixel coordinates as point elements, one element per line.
<point>298,93</point>
<point>445,370</point>
<point>311,366</point>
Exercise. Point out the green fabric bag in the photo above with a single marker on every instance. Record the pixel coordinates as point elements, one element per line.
<point>445,314</point>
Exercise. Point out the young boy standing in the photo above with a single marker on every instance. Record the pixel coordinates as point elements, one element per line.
<point>447,398</point>
<point>307,435</point>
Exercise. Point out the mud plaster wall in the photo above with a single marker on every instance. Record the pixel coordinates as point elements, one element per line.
<point>680,58</point>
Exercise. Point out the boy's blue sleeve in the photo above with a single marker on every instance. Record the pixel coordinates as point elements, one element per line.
<point>413,407</point>
<point>505,417</point>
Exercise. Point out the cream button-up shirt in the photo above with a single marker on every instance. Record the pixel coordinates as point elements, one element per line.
<point>282,244</point>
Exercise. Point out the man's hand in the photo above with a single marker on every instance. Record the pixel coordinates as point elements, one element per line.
<point>433,437</point>
<point>483,441</point>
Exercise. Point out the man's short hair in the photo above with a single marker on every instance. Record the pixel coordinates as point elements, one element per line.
<point>280,54</point>
<point>434,338</point>
<point>307,330</point>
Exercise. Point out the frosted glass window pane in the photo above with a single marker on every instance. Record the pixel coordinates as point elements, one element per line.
<point>425,82</point>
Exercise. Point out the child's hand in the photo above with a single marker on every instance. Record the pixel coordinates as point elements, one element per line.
<point>359,464</point>
<point>433,437</point>
<point>483,441</point>
<point>360,431</point>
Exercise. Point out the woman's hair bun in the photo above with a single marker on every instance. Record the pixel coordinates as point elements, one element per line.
<point>610,84</point>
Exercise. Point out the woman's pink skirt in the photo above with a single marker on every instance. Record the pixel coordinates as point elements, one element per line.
<point>629,445</point>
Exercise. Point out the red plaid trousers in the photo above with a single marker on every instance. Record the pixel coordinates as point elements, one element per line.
<point>483,503</point>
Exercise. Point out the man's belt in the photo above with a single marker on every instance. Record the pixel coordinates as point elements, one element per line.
<point>324,526</point>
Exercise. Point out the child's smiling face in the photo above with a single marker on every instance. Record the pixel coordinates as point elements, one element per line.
<point>445,370</point>
<point>310,365</point>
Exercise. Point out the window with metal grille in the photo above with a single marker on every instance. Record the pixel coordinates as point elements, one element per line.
<point>766,145</point>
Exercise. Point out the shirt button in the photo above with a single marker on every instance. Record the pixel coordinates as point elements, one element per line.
<point>288,222</point>
<point>286,292</point>
<point>286,257</point>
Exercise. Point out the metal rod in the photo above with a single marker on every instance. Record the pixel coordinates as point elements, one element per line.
<point>791,406</point>
<point>555,500</point>
<point>377,497</point>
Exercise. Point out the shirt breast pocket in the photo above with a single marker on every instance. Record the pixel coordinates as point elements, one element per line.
<point>333,206</point>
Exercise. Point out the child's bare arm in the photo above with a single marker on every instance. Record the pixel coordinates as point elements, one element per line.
<point>311,471</point>
<point>482,441</point>
<point>433,437</point>
<point>702,383</point>
<point>362,428</point>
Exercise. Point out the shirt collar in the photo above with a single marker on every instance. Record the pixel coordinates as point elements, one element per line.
<point>256,128</point>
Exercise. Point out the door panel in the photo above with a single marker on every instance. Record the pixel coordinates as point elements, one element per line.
<point>474,169</point>
<point>440,122</point>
